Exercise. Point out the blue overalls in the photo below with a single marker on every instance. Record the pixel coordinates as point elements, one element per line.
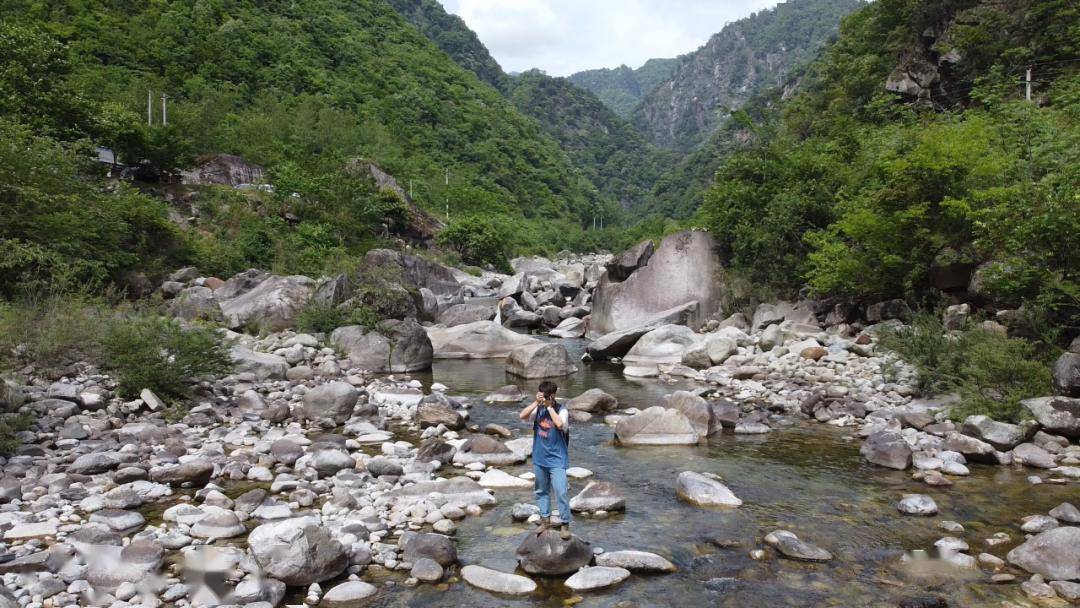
<point>551,458</point>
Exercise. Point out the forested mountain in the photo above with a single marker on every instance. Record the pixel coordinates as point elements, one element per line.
<point>623,88</point>
<point>911,165</point>
<point>455,38</point>
<point>300,89</point>
<point>746,56</point>
<point>607,149</point>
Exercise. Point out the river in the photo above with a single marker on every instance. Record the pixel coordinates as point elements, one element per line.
<point>805,477</point>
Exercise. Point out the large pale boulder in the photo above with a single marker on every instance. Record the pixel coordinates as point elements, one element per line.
<point>598,496</point>
<point>463,314</point>
<point>479,340</point>
<point>596,577</point>
<point>1067,375</point>
<point>630,260</point>
<point>887,449</point>
<point>696,409</point>
<point>414,271</point>
<point>1001,435</point>
<point>656,426</point>
<point>486,450</point>
<point>704,491</point>
<point>497,582</point>
<point>636,561</point>
<point>456,490</point>
<point>684,269</point>
<point>196,302</point>
<point>540,360</point>
<point>1057,415</point>
<point>297,551</point>
<point>332,401</point>
<point>617,343</point>
<point>571,327</point>
<point>1055,554</point>
<point>393,346</point>
<point>272,305</point>
<point>664,345</point>
<point>262,365</point>
<point>593,400</point>
<point>547,553</point>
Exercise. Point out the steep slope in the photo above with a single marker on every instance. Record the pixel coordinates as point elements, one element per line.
<point>450,34</point>
<point>623,88</point>
<point>911,164</point>
<point>607,149</point>
<point>745,56</point>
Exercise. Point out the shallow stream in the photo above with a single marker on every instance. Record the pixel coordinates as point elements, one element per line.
<point>806,477</point>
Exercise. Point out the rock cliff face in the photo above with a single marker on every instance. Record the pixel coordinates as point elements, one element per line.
<point>746,56</point>
<point>684,270</point>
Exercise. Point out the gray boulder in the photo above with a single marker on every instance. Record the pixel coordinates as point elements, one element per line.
<point>393,346</point>
<point>480,340</point>
<point>887,449</point>
<point>789,545</point>
<point>434,411</point>
<point>1057,415</point>
<point>348,594</point>
<point>486,450</point>
<point>331,401</point>
<point>593,400</point>
<point>263,365</point>
<point>540,360</point>
<point>513,315</point>
<point>684,269</point>
<point>1067,375</point>
<point>196,303</point>
<point>696,409</point>
<point>656,426</point>
<point>436,547</point>
<point>1055,554</point>
<point>598,496</point>
<point>704,491</point>
<point>297,551</point>
<point>547,553</point>
<point>1001,435</point>
<point>271,306</point>
<point>917,504</point>
<point>630,260</point>
<point>463,314</point>
<point>664,345</point>
<point>571,327</point>
<point>414,271</point>
<point>456,490</point>
<point>973,449</point>
<point>636,561</point>
<point>1033,456</point>
<point>596,577</point>
<point>497,582</point>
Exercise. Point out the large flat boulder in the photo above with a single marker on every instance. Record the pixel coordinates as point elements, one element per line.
<point>497,582</point>
<point>704,491</point>
<point>297,551</point>
<point>463,314</point>
<point>696,409</point>
<point>1055,554</point>
<point>656,426</point>
<point>262,365</point>
<point>270,306</point>
<point>665,345</point>
<point>684,268</point>
<point>1058,415</point>
<point>540,360</point>
<point>479,340</point>
<point>887,449</point>
<point>393,346</point>
<point>1001,435</point>
<point>547,553</point>
<point>618,343</point>
<point>456,490</point>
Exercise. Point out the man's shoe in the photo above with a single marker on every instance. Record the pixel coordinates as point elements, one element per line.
<point>564,531</point>
<point>544,524</point>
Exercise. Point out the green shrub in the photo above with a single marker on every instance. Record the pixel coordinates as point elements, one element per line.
<point>991,372</point>
<point>159,354</point>
<point>9,425</point>
<point>50,330</point>
<point>479,240</point>
<point>320,318</point>
<point>363,315</point>
<point>381,290</point>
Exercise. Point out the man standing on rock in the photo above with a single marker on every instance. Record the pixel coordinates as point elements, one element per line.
<point>551,455</point>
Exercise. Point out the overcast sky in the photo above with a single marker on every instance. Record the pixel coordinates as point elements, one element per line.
<point>566,36</point>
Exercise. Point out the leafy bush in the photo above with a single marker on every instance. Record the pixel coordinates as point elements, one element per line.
<point>365,316</point>
<point>479,240</point>
<point>320,318</point>
<point>161,355</point>
<point>50,330</point>
<point>991,372</point>
<point>10,424</point>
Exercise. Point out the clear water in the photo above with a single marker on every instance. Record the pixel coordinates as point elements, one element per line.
<point>806,477</point>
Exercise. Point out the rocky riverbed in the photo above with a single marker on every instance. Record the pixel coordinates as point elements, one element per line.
<point>770,459</point>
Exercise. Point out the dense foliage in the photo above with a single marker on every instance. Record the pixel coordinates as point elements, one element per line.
<point>991,372</point>
<point>858,191</point>
<point>623,88</point>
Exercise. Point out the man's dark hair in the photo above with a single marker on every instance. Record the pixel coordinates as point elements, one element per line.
<point>548,388</point>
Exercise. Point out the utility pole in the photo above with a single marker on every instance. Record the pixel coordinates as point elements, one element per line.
<point>410,189</point>
<point>446,192</point>
<point>1028,84</point>
<point>149,108</point>
<point>164,113</point>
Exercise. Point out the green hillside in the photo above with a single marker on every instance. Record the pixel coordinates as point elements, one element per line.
<point>300,90</point>
<point>623,88</point>
<point>862,191</point>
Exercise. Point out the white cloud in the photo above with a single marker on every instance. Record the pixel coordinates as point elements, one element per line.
<point>566,36</point>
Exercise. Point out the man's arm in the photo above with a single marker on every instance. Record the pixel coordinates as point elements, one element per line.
<point>560,420</point>
<point>528,410</point>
